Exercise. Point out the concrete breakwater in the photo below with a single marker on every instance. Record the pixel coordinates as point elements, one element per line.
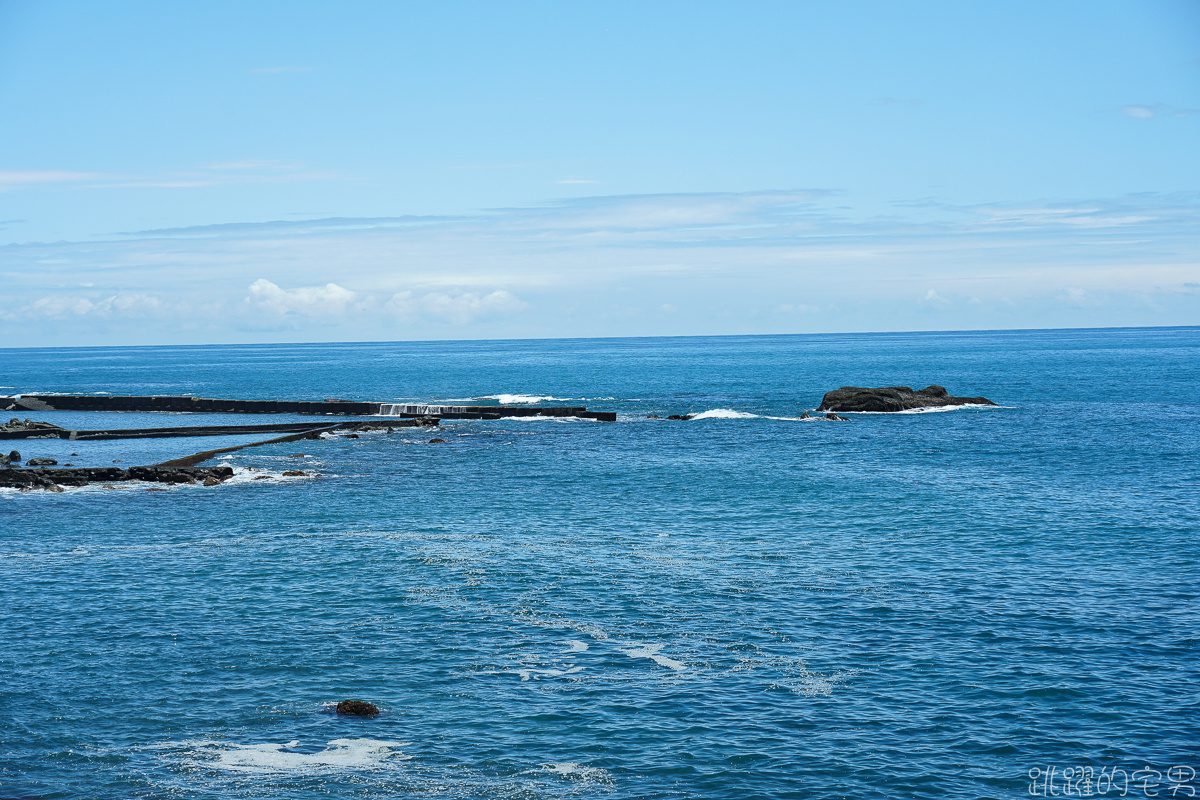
<point>205,405</point>
<point>42,430</point>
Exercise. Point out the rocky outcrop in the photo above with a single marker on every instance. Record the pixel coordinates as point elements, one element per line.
<point>41,462</point>
<point>82,476</point>
<point>893,398</point>
<point>357,708</point>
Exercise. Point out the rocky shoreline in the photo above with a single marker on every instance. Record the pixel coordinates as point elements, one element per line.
<point>55,479</point>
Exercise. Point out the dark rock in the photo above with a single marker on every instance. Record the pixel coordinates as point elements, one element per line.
<point>209,481</point>
<point>351,435</point>
<point>298,455</point>
<point>357,708</point>
<point>262,477</point>
<point>54,487</point>
<point>806,415</point>
<point>653,416</point>
<point>437,441</point>
<point>41,462</point>
<point>837,417</point>
<point>31,429</point>
<point>294,473</point>
<point>893,398</point>
<point>14,456</point>
<point>681,416</point>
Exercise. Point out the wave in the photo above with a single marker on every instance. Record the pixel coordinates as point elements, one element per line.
<point>522,399</point>
<point>934,409</point>
<point>724,413</point>
<point>729,413</point>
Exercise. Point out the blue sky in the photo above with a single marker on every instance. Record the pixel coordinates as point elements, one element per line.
<point>224,172</point>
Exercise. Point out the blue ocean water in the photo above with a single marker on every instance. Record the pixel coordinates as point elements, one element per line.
<point>744,605</point>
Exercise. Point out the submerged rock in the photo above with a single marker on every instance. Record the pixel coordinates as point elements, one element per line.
<point>357,708</point>
<point>294,473</point>
<point>893,398</point>
<point>837,417</point>
<point>437,441</point>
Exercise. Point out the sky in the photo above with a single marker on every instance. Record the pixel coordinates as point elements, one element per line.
<point>189,173</point>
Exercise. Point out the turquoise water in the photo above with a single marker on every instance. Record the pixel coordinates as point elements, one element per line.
<point>744,605</point>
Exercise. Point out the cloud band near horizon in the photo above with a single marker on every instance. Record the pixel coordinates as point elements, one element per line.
<point>755,262</point>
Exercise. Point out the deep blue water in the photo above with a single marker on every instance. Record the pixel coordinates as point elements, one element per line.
<point>918,605</point>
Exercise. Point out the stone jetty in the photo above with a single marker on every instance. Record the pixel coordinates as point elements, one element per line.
<point>330,407</point>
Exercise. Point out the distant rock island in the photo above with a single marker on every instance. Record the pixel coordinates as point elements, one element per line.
<point>894,398</point>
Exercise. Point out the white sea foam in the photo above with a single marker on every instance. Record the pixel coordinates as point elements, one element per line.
<point>576,771</point>
<point>522,399</point>
<point>527,674</point>
<point>935,409</point>
<point>725,413</point>
<point>339,754</point>
<point>576,646</point>
<point>729,413</point>
<point>650,651</point>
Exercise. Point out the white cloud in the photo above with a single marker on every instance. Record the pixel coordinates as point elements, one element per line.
<point>18,178</point>
<point>934,299</point>
<point>1139,111</point>
<point>309,301</point>
<point>233,172</point>
<point>456,309</point>
<point>122,304</point>
<point>1144,111</point>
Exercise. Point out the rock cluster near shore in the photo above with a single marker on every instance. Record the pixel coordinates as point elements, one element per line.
<point>81,476</point>
<point>894,398</point>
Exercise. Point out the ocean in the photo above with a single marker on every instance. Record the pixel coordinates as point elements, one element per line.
<point>978,602</point>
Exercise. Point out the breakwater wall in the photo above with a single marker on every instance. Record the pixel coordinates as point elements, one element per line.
<point>205,405</point>
<point>45,431</point>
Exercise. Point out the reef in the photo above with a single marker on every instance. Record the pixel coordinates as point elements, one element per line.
<point>894,398</point>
